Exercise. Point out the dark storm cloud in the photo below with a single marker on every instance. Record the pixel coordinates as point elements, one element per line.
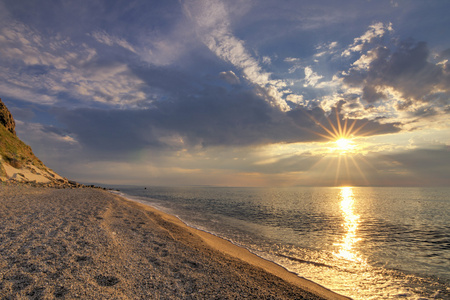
<point>424,162</point>
<point>104,131</point>
<point>408,70</point>
<point>213,117</point>
<point>371,95</point>
<point>446,53</point>
<point>421,166</point>
<point>170,80</point>
<point>308,120</point>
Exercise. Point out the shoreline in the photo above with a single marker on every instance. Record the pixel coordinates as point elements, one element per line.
<point>89,243</point>
<point>229,248</point>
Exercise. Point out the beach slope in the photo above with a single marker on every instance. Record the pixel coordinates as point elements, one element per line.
<point>91,244</point>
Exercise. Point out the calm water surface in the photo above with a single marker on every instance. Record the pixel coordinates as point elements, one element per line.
<point>366,243</point>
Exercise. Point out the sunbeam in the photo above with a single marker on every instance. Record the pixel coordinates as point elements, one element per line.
<point>344,144</point>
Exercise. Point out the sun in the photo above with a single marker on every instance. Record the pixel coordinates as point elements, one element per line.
<point>344,145</point>
<point>341,134</point>
<point>344,148</point>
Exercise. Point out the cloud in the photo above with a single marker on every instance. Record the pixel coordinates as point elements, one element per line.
<point>266,60</point>
<point>218,132</point>
<point>21,43</point>
<point>371,94</point>
<point>390,81</point>
<point>213,26</point>
<point>51,144</point>
<point>19,92</point>
<point>292,59</point>
<point>216,117</point>
<point>326,49</point>
<point>416,167</point>
<point>407,71</point>
<point>229,77</point>
<point>297,99</point>
<point>51,134</point>
<point>48,69</point>
<point>445,54</point>
<point>296,64</point>
<point>311,77</point>
<point>365,60</point>
<point>376,30</point>
<point>103,37</point>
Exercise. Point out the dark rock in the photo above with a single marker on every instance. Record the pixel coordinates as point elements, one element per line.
<point>106,280</point>
<point>60,291</point>
<point>6,118</point>
<point>20,281</point>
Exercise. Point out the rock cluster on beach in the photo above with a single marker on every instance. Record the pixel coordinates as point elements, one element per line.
<point>57,183</point>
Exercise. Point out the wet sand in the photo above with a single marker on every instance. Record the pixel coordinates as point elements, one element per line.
<point>91,244</point>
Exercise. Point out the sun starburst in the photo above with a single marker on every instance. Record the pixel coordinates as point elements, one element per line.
<point>344,146</point>
<point>342,134</point>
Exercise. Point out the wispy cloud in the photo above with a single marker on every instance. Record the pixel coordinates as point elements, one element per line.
<point>40,69</point>
<point>229,77</point>
<point>105,38</point>
<point>311,77</point>
<point>376,30</point>
<point>213,26</point>
<point>296,63</point>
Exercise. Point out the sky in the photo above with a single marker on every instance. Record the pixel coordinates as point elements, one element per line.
<point>232,93</point>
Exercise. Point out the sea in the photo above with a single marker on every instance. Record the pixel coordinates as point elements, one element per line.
<point>361,242</point>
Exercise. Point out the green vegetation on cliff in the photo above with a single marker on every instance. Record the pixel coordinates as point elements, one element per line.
<point>15,152</point>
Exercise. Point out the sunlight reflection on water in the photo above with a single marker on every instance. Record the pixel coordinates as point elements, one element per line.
<point>351,222</point>
<point>366,243</point>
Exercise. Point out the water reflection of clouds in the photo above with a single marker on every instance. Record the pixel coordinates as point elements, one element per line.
<point>351,222</point>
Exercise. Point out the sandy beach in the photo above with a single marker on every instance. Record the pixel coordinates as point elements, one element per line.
<point>92,244</point>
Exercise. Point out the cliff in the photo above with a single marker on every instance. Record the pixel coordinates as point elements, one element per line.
<point>6,119</point>
<point>17,161</point>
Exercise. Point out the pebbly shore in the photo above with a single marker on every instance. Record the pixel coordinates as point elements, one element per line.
<point>87,243</point>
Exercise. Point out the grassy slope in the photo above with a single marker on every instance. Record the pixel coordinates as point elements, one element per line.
<point>15,152</point>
